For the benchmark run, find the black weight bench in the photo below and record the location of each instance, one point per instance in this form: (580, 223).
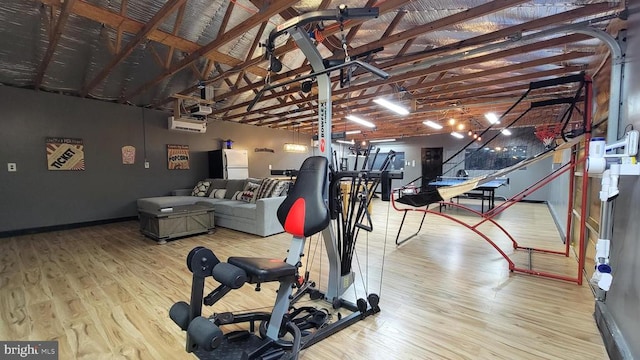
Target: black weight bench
(262, 270)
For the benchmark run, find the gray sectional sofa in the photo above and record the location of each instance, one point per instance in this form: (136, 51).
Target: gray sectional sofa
(251, 214)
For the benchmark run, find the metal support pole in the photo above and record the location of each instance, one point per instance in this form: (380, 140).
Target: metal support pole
(284, 292)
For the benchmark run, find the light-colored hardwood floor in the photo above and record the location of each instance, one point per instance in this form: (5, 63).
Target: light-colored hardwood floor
(104, 292)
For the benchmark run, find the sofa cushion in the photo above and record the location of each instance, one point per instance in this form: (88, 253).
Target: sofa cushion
(218, 183)
(247, 211)
(233, 186)
(215, 184)
(226, 206)
(200, 189)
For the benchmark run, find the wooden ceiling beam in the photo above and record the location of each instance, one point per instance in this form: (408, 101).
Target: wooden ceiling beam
(65, 11)
(497, 82)
(384, 7)
(394, 23)
(274, 8)
(176, 27)
(227, 16)
(449, 66)
(167, 9)
(536, 24)
(564, 17)
(114, 20)
(460, 17)
(123, 12)
(156, 55)
(226, 80)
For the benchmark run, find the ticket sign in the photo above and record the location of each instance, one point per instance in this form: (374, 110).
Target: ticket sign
(65, 154)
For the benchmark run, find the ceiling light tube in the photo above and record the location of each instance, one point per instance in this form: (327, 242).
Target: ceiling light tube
(457, 135)
(352, 132)
(492, 117)
(297, 148)
(348, 142)
(506, 132)
(360, 121)
(391, 106)
(433, 125)
(381, 140)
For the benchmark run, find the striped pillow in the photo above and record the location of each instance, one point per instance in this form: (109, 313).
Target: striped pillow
(270, 188)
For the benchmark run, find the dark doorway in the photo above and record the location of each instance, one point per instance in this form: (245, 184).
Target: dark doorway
(431, 165)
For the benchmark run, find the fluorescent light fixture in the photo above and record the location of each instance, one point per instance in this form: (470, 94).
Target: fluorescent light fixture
(506, 132)
(346, 142)
(391, 106)
(381, 140)
(492, 117)
(298, 148)
(433, 125)
(457, 135)
(352, 132)
(360, 121)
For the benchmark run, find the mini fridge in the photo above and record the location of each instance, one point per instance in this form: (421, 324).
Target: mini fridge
(228, 164)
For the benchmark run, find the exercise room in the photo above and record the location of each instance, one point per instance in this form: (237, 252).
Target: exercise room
(248, 179)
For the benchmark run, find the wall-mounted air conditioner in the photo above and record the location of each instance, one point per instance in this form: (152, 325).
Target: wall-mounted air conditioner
(188, 124)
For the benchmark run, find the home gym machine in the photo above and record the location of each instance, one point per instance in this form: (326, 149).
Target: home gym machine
(310, 206)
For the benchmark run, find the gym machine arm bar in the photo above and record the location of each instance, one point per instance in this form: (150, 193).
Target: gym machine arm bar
(340, 14)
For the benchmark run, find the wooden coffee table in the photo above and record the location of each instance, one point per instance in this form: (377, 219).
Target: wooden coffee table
(177, 221)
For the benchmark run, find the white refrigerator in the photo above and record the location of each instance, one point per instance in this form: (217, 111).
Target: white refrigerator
(229, 164)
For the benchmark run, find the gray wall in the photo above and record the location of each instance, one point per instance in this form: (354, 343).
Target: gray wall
(623, 300)
(34, 197)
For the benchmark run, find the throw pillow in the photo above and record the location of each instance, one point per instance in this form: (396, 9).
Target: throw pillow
(250, 191)
(200, 189)
(237, 195)
(212, 192)
(280, 189)
(220, 193)
(270, 188)
(247, 196)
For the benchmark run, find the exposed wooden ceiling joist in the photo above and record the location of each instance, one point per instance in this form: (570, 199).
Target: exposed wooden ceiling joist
(115, 20)
(482, 39)
(176, 28)
(445, 66)
(53, 41)
(166, 10)
(274, 8)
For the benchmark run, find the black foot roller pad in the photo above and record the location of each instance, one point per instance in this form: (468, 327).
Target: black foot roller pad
(261, 270)
(205, 333)
(179, 313)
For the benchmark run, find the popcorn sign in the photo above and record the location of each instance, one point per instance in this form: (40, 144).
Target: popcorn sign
(178, 157)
